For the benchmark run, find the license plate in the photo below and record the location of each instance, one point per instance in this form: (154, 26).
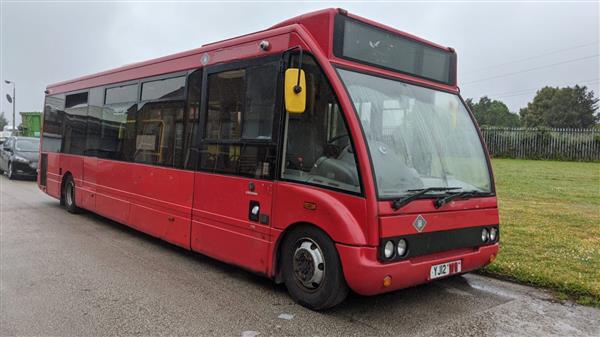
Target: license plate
(444, 269)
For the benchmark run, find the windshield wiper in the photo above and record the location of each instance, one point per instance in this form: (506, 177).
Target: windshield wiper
(396, 204)
(441, 201)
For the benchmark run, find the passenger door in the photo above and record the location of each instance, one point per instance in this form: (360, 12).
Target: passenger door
(233, 187)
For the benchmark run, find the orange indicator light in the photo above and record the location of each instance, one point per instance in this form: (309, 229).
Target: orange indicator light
(387, 281)
(311, 206)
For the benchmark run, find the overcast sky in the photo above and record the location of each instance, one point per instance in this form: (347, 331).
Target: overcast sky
(505, 50)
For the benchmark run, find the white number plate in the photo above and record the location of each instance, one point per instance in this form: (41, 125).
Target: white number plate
(444, 269)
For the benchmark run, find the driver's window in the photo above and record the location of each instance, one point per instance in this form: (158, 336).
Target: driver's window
(318, 149)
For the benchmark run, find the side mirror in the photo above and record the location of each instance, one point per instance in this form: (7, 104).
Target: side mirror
(295, 90)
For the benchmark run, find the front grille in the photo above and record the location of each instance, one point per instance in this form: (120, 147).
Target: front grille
(435, 242)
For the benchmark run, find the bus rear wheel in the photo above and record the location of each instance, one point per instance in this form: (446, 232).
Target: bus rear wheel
(69, 195)
(311, 269)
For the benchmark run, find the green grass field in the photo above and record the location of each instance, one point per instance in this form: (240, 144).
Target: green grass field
(550, 226)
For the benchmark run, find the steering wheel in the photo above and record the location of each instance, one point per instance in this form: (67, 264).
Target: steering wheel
(336, 138)
(333, 150)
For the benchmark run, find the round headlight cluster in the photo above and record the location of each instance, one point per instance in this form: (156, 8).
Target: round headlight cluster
(485, 235)
(493, 234)
(388, 249)
(395, 248)
(489, 234)
(401, 247)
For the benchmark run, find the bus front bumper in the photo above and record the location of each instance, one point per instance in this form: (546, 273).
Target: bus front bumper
(365, 274)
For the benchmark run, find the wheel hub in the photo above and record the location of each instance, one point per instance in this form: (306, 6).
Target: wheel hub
(309, 264)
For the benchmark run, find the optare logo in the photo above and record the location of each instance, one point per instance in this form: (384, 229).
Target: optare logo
(419, 223)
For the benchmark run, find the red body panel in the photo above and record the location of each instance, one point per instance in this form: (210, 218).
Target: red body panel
(220, 226)
(332, 210)
(365, 274)
(208, 213)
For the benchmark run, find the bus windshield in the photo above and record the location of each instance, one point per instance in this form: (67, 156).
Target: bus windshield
(417, 137)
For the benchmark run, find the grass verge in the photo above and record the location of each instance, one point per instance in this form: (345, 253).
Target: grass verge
(550, 226)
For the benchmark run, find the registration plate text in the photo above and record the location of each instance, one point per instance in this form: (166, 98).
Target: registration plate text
(444, 269)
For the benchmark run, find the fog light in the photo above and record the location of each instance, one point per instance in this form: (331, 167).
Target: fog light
(388, 249)
(485, 235)
(493, 234)
(401, 247)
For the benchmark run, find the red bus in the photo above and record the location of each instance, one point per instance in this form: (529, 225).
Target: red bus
(328, 152)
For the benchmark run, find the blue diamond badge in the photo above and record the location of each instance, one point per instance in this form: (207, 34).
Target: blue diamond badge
(420, 223)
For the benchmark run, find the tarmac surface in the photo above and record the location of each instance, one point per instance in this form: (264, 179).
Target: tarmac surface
(83, 275)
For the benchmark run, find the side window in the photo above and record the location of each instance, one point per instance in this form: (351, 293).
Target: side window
(225, 105)
(239, 121)
(117, 141)
(75, 123)
(190, 152)
(52, 123)
(318, 148)
(94, 122)
(261, 83)
(159, 122)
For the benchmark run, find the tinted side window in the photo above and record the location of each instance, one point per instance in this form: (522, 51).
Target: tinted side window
(52, 123)
(170, 88)
(255, 161)
(94, 122)
(191, 154)
(122, 94)
(76, 100)
(113, 134)
(225, 104)
(260, 101)
(240, 112)
(75, 123)
(157, 125)
(318, 148)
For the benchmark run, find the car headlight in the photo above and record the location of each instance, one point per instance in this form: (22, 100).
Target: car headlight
(485, 235)
(388, 249)
(401, 247)
(21, 159)
(493, 234)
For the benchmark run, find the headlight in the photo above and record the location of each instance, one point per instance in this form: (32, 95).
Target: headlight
(485, 235)
(388, 249)
(21, 159)
(493, 234)
(401, 247)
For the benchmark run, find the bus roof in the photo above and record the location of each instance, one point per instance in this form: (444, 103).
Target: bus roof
(318, 23)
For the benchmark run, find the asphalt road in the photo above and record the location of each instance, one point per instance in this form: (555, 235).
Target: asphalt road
(64, 274)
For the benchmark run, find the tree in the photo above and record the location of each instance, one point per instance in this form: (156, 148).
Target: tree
(569, 107)
(490, 112)
(3, 121)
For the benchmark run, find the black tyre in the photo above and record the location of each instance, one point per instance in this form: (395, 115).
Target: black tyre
(311, 269)
(10, 173)
(69, 196)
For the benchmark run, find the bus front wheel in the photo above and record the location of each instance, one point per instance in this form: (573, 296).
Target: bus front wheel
(311, 269)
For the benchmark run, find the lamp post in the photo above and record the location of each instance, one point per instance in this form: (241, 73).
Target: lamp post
(14, 102)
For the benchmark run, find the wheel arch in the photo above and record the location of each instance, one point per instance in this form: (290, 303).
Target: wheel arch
(276, 265)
